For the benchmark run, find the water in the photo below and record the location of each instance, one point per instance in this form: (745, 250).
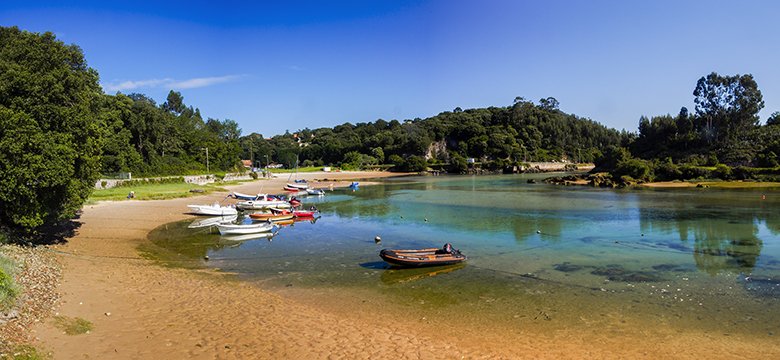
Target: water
(540, 256)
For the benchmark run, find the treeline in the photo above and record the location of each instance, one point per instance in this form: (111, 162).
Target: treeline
(145, 139)
(496, 137)
(723, 139)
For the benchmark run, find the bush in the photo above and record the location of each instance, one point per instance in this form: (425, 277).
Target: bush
(635, 168)
(694, 172)
(723, 172)
(253, 175)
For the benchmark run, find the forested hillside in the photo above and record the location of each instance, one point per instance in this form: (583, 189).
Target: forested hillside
(496, 136)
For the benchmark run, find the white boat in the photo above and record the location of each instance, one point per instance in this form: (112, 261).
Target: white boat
(230, 239)
(318, 192)
(240, 196)
(212, 210)
(238, 229)
(298, 185)
(212, 221)
(262, 201)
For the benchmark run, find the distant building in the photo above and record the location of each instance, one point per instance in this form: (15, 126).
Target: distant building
(470, 160)
(247, 163)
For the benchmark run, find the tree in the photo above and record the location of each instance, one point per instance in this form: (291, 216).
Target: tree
(728, 107)
(549, 103)
(49, 133)
(773, 119)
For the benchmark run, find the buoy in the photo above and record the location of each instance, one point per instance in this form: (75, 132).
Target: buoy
(538, 231)
(377, 239)
(426, 219)
(206, 258)
(763, 197)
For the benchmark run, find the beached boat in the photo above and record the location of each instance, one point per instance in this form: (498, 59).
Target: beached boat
(289, 188)
(317, 192)
(240, 196)
(212, 221)
(238, 229)
(212, 210)
(423, 257)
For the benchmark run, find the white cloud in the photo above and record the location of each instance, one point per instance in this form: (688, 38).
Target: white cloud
(169, 83)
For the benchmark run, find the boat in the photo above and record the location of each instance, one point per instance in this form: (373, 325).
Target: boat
(354, 185)
(212, 210)
(317, 192)
(305, 213)
(212, 221)
(296, 184)
(240, 196)
(289, 188)
(263, 201)
(275, 217)
(423, 257)
(233, 239)
(238, 229)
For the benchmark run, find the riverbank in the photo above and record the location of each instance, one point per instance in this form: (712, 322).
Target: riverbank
(140, 309)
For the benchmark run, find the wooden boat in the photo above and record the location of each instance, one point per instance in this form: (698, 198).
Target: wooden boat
(212, 210)
(238, 229)
(286, 215)
(423, 257)
(289, 188)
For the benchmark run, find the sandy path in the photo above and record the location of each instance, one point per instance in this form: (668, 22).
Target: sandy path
(144, 311)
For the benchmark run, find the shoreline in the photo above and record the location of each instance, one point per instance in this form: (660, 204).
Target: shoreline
(141, 309)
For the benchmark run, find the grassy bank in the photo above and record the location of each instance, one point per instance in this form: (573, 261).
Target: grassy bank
(715, 184)
(153, 191)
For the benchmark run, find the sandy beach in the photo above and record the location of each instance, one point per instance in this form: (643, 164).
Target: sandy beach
(142, 310)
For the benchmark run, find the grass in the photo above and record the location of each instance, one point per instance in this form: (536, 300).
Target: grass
(72, 326)
(25, 352)
(153, 192)
(300, 169)
(8, 287)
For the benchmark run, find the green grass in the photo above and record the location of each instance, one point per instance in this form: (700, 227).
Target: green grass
(153, 192)
(8, 287)
(24, 352)
(72, 326)
(303, 169)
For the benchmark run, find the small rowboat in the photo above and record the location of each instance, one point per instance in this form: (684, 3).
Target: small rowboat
(292, 189)
(423, 257)
(237, 229)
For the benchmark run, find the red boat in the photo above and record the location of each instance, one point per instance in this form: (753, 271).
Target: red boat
(294, 202)
(304, 213)
(292, 189)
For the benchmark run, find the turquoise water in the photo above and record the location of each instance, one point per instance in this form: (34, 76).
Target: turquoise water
(549, 255)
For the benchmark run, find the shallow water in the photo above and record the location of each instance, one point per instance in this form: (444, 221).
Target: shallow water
(539, 255)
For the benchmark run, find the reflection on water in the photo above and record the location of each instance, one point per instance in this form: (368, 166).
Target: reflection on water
(539, 255)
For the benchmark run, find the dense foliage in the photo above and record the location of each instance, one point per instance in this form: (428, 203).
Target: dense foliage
(49, 137)
(497, 136)
(723, 139)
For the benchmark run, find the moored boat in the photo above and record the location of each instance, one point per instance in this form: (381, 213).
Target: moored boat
(240, 196)
(272, 216)
(263, 201)
(238, 229)
(305, 213)
(423, 257)
(212, 210)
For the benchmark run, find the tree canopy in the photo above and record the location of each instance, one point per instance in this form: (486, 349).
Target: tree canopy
(50, 141)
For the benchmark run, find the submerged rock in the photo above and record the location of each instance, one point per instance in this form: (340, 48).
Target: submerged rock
(762, 286)
(618, 273)
(567, 267)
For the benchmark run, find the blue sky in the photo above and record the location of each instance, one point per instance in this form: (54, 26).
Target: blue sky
(287, 65)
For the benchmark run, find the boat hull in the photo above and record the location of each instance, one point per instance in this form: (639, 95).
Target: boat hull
(212, 210)
(232, 229)
(420, 258)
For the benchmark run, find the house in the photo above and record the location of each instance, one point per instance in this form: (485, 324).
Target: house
(247, 163)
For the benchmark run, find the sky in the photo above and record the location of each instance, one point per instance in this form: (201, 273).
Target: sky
(276, 66)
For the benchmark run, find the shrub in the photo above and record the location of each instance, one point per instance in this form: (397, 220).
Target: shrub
(722, 171)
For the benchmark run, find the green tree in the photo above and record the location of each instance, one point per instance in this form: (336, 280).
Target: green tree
(49, 130)
(727, 106)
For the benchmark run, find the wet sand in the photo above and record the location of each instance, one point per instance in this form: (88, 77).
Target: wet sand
(141, 310)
